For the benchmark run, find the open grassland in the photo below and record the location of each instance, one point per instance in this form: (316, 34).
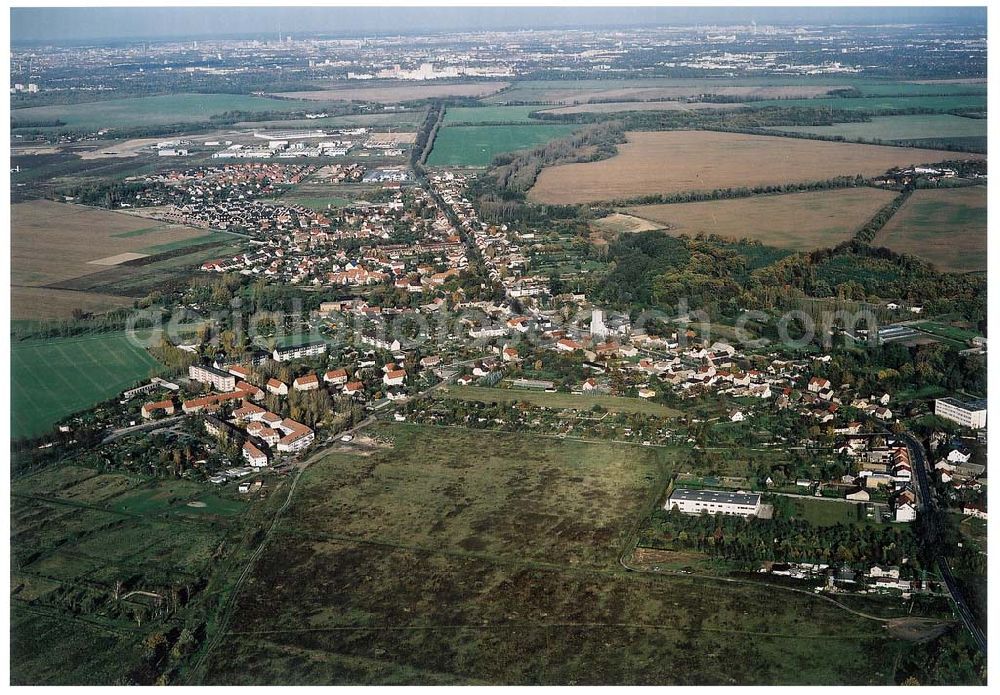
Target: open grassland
(54, 378)
(620, 106)
(936, 103)
(583, 91)
(795, 221)
(470, 115)
(943, 127)
(675, 161)
(67, 248)
(152, 111)
(946, 227)
(75, 533)
(567, 401)
(398, 92)
(475, 146)
(473, 557)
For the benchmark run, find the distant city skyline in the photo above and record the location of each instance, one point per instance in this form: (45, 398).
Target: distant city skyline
(77, 24)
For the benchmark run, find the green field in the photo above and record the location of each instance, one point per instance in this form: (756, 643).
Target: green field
(569, 401)
(937, 103)
(489, 114)
(153, 111)
(475, 146)
(471, 557)
(900, 128)
(51, 379)
(821, 512)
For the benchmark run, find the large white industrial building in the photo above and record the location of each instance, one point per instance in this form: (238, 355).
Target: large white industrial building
(971, 414)
(714, 502)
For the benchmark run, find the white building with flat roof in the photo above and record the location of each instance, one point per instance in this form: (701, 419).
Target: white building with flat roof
(714, 502)
(971, 414)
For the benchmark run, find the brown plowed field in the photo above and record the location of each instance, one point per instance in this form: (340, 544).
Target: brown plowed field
(795, 221)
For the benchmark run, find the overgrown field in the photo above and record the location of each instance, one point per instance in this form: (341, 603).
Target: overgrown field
(567, 401)
(54, 378)
(946, 227)
(152, 111)
(796, 221)
(475, 146)
(76, 534)
(681, 160)
(461, 557)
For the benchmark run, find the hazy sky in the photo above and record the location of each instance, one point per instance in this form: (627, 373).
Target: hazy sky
(85, 24)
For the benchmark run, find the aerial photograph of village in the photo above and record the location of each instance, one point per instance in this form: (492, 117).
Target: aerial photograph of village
(362, 345)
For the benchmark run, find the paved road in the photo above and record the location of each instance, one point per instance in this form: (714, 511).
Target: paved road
(154, 424)
(926, 499)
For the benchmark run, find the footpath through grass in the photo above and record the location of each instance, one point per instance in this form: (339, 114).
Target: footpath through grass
(571, 401)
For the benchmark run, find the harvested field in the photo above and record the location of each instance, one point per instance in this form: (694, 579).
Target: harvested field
(617, 106)
(54, 245)
(946, 227)
(391, 138)
(49, 303)
(683, 160)
(795, 221)
(617, 223)
(394, 93)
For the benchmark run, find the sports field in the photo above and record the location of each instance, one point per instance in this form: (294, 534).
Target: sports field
(568, 401)
(795, 221)
(54, 378)
(682, 160)
(151, 111)
(475, 146)
(946, 227)
(454, 556)
(900, 128)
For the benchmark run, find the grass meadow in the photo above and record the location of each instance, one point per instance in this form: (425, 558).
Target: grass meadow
(476, 146)
(51, 379)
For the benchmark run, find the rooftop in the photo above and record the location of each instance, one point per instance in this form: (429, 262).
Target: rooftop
(716, 496)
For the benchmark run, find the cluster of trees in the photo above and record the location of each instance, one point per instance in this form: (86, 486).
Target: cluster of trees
(748, 543)
(740, 192)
